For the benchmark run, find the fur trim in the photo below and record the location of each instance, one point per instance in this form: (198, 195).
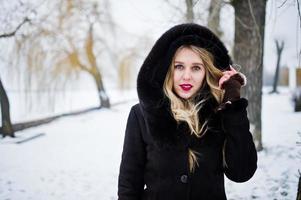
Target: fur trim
(237, 77)
(155, 106)
(244, 83)
(153, 71)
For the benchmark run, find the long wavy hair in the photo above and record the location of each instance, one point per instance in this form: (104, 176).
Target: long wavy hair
(187, 110)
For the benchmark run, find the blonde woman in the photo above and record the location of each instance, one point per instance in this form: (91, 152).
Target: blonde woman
(190, 126)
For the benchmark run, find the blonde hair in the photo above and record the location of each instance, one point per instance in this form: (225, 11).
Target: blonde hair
(187, 110)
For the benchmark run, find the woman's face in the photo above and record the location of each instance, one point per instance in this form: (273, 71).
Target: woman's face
(188, 74)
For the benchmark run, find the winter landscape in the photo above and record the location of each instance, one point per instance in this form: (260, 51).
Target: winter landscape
(79, 157)
(54, 51)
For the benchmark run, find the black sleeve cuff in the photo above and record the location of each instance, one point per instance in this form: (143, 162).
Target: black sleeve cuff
(236, 105)
(234, 112)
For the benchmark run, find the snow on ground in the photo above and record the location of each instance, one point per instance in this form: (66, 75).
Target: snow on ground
(278, 164)
(79, 157)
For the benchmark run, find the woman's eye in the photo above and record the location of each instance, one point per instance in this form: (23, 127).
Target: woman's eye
(196, 68)
(179, 66)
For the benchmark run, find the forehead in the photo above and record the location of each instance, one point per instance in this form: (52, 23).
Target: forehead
(187, 54)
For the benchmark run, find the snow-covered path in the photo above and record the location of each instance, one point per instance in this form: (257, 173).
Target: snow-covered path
(78, 158)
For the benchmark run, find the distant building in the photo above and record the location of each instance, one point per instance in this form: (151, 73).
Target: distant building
(295, 77)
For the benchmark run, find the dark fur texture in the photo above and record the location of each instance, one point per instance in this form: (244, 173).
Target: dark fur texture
(154, 69)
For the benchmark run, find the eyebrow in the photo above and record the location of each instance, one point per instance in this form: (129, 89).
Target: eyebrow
(192, 63)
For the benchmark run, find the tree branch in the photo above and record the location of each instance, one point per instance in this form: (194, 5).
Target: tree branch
(299, 13)
(175, 7)
(283, 3)
(5, 35)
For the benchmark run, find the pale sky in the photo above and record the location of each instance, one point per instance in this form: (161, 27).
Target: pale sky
(155, 17)
(282, 23)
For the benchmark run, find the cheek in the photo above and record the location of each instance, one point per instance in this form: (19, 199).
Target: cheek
(176, 77)
(199, 79)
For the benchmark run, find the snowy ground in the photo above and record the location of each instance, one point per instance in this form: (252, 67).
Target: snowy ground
(278, 163)
(79, 156)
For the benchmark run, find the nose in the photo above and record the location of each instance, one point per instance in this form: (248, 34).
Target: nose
(186, 74)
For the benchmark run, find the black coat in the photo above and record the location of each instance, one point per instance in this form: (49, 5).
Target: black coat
(154, 162)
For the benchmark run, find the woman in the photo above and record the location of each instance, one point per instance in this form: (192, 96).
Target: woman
(190, 126)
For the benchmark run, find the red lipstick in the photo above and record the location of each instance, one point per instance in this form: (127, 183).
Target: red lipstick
(186, 87)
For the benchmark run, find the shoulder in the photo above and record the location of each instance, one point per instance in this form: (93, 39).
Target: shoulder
(136, 111)
(136, 119)
(136, 108)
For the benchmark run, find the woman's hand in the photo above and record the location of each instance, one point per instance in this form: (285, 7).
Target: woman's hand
(226, 76)
(231, 82)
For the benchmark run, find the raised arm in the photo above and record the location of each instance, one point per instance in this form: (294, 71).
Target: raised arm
(240, 154)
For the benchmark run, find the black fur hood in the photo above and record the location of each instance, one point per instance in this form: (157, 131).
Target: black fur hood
(155, 106)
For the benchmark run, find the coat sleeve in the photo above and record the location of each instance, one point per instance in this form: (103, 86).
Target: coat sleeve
(131, 172)
(240, 156)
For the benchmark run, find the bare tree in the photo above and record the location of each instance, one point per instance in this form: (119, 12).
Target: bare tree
(214, 17)
(61, 44)
(279, 53)
(299, 187)
(7, 129)
(248, 52)
(299, 14)
(73, 59)
(298, 10)
(186, 10)
(124, 68)
(189, 11)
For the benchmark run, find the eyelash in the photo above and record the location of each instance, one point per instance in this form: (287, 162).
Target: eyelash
(196, 68)
(178, 66)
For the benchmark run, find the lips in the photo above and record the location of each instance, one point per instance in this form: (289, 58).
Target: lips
(186, 87)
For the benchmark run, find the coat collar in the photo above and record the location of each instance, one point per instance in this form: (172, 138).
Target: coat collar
(164, 129)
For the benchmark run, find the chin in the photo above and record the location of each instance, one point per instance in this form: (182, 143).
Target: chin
(182, 95)
(186, 96)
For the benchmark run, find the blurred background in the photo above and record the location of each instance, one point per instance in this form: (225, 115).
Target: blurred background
(68, 72)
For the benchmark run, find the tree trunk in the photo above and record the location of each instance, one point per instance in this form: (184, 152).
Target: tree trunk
(248, 52)
(299, 188)
(94, 71)
(214, 17)
(189, 11)
(103, 97)
(6, 129)
(279, 53)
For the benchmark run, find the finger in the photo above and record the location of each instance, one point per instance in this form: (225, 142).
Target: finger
(222, 80)
(232, 69)
(230, 72)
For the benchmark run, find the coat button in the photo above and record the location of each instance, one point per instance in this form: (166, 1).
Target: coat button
(184, 178)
